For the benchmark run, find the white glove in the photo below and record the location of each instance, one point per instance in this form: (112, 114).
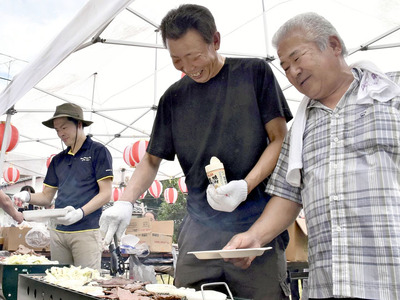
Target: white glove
(115, 219)
(73, 216)
(227, 197)
(21, 197)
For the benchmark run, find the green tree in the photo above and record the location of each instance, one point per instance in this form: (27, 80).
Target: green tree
(166, 211)
(175, 211)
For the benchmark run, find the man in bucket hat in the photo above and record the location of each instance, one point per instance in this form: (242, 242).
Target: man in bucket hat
(82, 176)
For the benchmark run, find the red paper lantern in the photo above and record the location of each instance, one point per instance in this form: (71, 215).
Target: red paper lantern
(139, 150)
(182, 185)
(156, 189)
(11, 175)
(143, 195)
(170, 195)
(128, 157)
(48, 161)
(13, 136)
(117, 192)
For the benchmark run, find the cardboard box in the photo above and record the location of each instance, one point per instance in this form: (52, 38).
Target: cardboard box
(156, 234)
(15, 236)
(139, 225)
(157, 242)
(164, 227)
(297, 250)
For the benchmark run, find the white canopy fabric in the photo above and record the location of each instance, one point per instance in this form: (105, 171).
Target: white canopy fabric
(110, 60)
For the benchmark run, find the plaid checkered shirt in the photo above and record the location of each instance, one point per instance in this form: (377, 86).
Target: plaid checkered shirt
(350, 193)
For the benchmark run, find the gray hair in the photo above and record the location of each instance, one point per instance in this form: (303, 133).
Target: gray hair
(316, 28)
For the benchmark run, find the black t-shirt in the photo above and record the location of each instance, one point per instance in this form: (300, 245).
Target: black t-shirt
(224, 117)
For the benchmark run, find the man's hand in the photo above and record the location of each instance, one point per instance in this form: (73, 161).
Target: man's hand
(18, 217)
(73, 216)
(227, 197)
(241, 241)
(21, 198)
(115, 219)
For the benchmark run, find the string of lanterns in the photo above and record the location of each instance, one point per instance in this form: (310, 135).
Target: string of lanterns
(11, 174)
(132, 155)
(135, 152)
(155, 190)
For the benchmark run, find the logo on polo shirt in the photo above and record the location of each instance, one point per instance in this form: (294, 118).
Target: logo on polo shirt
(86, 158)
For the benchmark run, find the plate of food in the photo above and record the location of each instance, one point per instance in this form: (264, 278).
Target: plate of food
(44, 214)
(231, 253)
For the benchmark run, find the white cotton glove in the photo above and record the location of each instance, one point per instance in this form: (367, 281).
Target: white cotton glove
(115, 219)
(73, 216)
(21, 197)
(227, 197)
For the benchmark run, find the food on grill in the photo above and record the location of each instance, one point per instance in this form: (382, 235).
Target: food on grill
(120, 282)
(72, 277)
(24, 250)
(89, 281)
(26, 256)
(27, 259)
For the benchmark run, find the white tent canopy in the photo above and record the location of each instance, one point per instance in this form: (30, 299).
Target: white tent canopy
(110, 60)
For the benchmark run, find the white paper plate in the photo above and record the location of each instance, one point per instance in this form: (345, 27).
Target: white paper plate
(208, 295)
(160, 288)
(169, 289)
(44, 214)
(235, 253)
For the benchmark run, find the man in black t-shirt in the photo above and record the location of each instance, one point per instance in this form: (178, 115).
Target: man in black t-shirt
(231, 108)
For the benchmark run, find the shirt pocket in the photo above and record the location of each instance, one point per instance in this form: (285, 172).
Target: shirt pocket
(84, 170)
(374, 128)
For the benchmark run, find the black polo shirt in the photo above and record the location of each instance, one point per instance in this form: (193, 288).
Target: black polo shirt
(76, 178)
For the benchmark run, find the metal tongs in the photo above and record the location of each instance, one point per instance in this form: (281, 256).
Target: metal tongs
(117, 264)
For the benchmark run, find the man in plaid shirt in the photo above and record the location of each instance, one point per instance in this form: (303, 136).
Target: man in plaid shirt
(340, 162)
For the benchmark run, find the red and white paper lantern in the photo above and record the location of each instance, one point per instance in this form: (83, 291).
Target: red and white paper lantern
(13, 136)
(128, 157)
(11, 175)
(48, 161)
(139, 150)
(116, 194)
(182, 185)
(170, 195)
(156, 189)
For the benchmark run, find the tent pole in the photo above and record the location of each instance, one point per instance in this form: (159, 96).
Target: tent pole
(122, 180)
(142, 17)
(266, 31)
(34, 182)
(93, 91)
(155, 72)
(366, 46)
